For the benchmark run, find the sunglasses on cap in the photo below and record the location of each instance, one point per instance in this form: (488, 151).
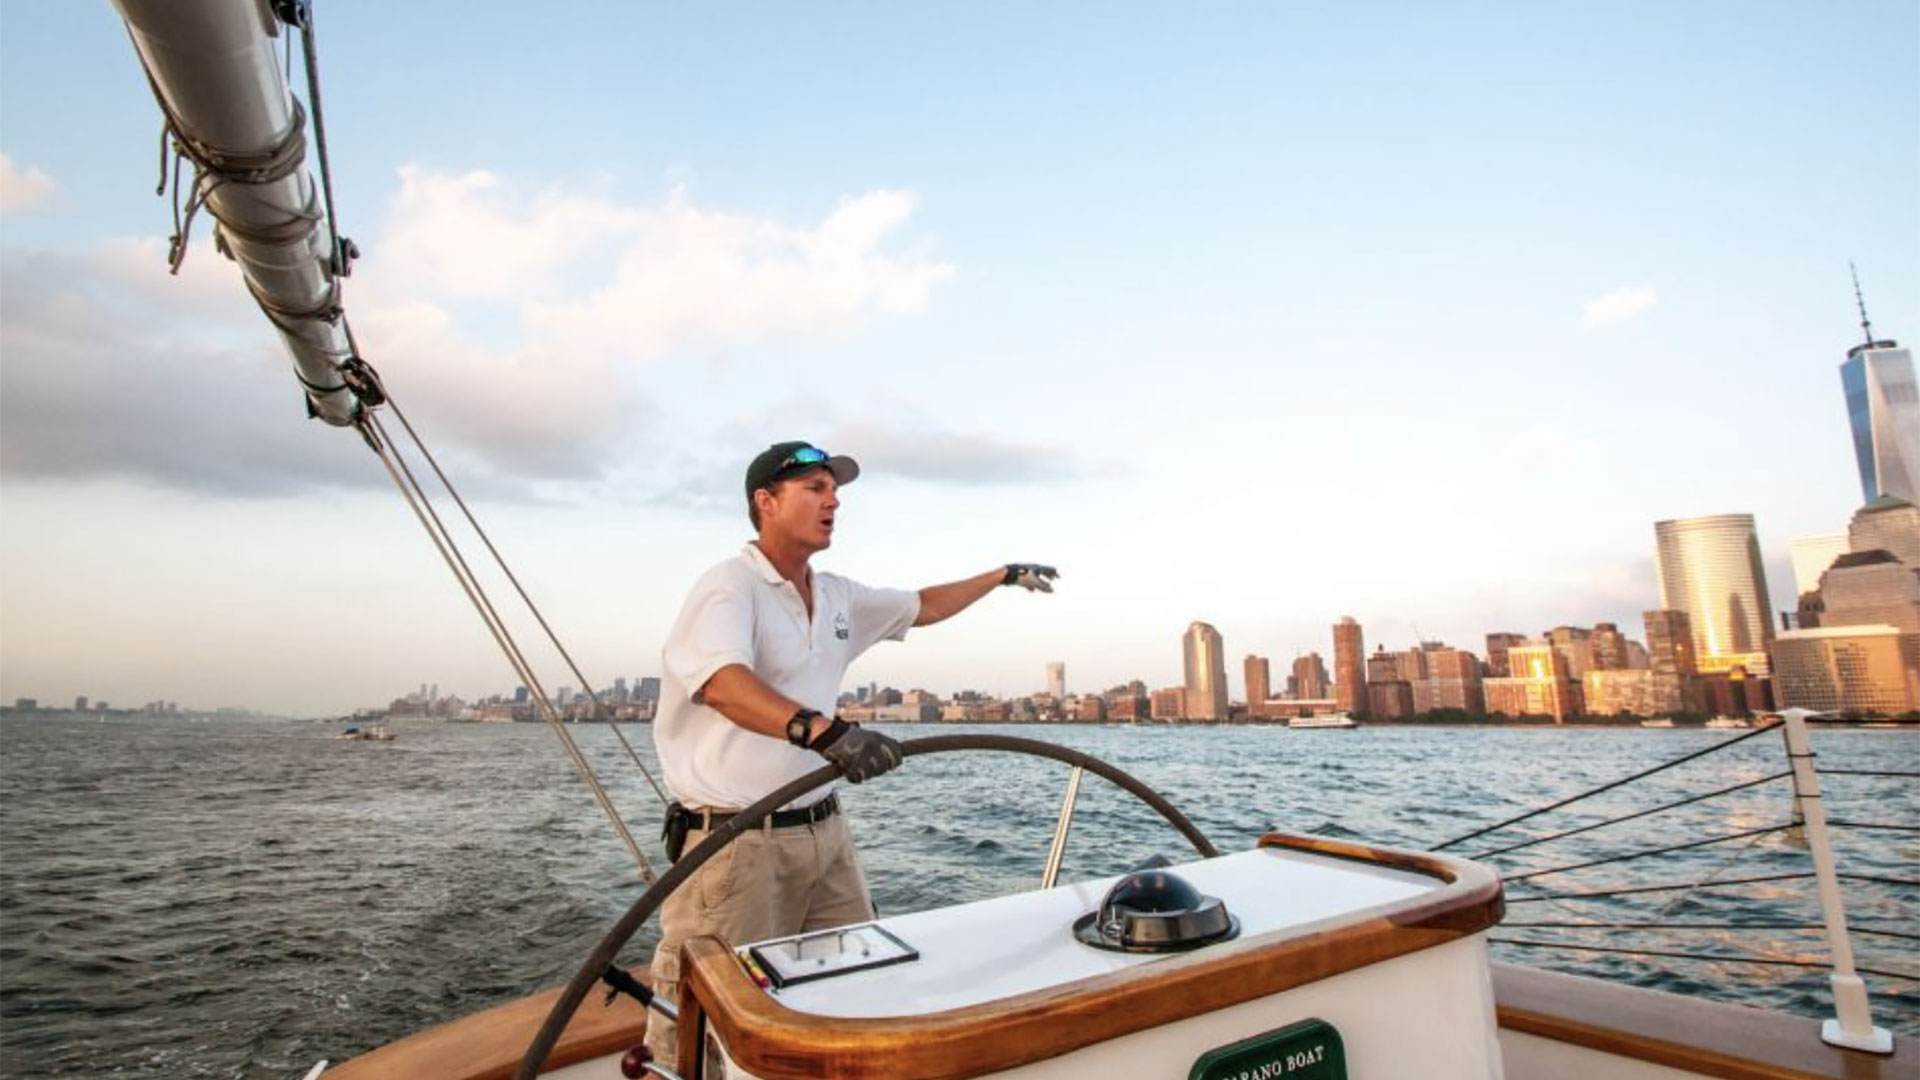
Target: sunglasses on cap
(802, 458)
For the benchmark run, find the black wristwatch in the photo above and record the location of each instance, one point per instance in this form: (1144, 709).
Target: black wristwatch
(800, 727)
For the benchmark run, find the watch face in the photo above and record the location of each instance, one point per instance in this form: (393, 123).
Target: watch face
(797, 730)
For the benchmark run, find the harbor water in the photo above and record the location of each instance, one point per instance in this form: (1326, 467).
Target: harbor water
(241, 898)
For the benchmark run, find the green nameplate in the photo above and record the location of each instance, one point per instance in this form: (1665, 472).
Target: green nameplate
(1308, 1050)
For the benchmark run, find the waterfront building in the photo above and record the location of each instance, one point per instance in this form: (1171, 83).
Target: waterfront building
(1883, 410)
(1811, 557)
(1310, 677)
(1452, 680)
(1670, 658)
(1890, 525)
(1638, 659)
(1538, 685)
(1168, 704)
(1609, 648)
(1091, 709)
(1206, 669)
(1575, 646)
(1390, 700)
(1349, 666)
(1865, 588)
(1613, 692)
(1057, 680)
(1383, 666)
(1709, 567)
(1497, 646)
(1259, 676)
(1846, 669)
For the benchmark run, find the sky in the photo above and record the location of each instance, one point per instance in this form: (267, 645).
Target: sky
(1257, 314)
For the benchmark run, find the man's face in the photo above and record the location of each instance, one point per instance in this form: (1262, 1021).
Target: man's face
(800, 510)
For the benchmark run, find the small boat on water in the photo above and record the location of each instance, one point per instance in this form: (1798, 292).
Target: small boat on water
(369, 733)
(1662, 722)
(1328, 720)
(1729, 723)
(1303, 957)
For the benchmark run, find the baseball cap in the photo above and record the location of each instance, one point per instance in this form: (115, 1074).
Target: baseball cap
(785, 459)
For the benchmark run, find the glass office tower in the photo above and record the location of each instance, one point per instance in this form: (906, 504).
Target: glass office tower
(1883, 408)
(1710, 568)
(1206, 664)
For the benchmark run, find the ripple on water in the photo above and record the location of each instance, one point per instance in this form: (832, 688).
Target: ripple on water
(253, 897)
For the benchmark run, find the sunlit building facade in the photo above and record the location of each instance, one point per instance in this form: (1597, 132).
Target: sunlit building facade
(1887, 524)
(1710, 568)
(1310, 677)
(1259, 679)
(1206, 667)
(1349, 666)
(1883, 409)
(1057, 680)
(1537, 686)
(1845, 669)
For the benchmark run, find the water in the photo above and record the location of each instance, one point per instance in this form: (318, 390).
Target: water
(240, 899)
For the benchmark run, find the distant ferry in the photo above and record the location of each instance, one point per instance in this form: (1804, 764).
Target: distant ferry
(1729, 722)
(1331, 720)
(1662, 722)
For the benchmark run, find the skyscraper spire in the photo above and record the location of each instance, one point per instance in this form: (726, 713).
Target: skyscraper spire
(1862, 301)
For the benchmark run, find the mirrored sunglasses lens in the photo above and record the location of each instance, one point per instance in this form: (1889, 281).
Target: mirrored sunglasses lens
(807, 456)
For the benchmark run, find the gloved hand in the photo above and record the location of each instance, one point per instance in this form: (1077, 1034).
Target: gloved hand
(1031, 576)
(859, 754)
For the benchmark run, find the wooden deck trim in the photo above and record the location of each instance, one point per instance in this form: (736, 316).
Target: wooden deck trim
(777, 1043)
(488, 1045)
(1732, 1042)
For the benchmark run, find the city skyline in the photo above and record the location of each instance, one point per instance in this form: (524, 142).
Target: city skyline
(1427, 345)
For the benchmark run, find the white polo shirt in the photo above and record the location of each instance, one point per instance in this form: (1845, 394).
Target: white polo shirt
(743, 612)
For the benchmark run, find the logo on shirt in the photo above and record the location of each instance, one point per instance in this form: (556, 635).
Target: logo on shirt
(840, 626)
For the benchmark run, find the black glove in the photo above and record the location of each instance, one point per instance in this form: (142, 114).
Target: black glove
(1030, 576)
(859, 754)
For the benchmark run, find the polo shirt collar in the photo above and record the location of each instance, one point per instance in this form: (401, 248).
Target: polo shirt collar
(761, 563)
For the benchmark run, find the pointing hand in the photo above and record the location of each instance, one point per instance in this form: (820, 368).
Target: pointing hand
(1030, 576)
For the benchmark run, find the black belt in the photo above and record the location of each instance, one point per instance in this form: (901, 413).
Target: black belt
(709, 820)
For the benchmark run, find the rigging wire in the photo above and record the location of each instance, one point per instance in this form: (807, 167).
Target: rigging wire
(449, 552)
(501, 562)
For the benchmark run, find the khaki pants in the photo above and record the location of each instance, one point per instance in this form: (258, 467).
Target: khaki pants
(768, 883)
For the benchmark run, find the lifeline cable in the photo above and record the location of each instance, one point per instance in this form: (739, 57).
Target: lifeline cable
(1603, 787)
(1771, 962)
(1801, 875)
(1630, 817)
(1654, 851)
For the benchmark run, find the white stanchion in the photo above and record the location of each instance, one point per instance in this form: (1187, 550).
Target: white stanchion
(1853, 1025)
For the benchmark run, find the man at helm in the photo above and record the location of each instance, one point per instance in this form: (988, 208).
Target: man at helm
(752, 671)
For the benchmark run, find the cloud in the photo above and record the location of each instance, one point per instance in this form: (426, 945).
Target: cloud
(22, 190)
(914, 448)
(508, 325)
(1619, 305)
(907, 445)
(100, 383)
